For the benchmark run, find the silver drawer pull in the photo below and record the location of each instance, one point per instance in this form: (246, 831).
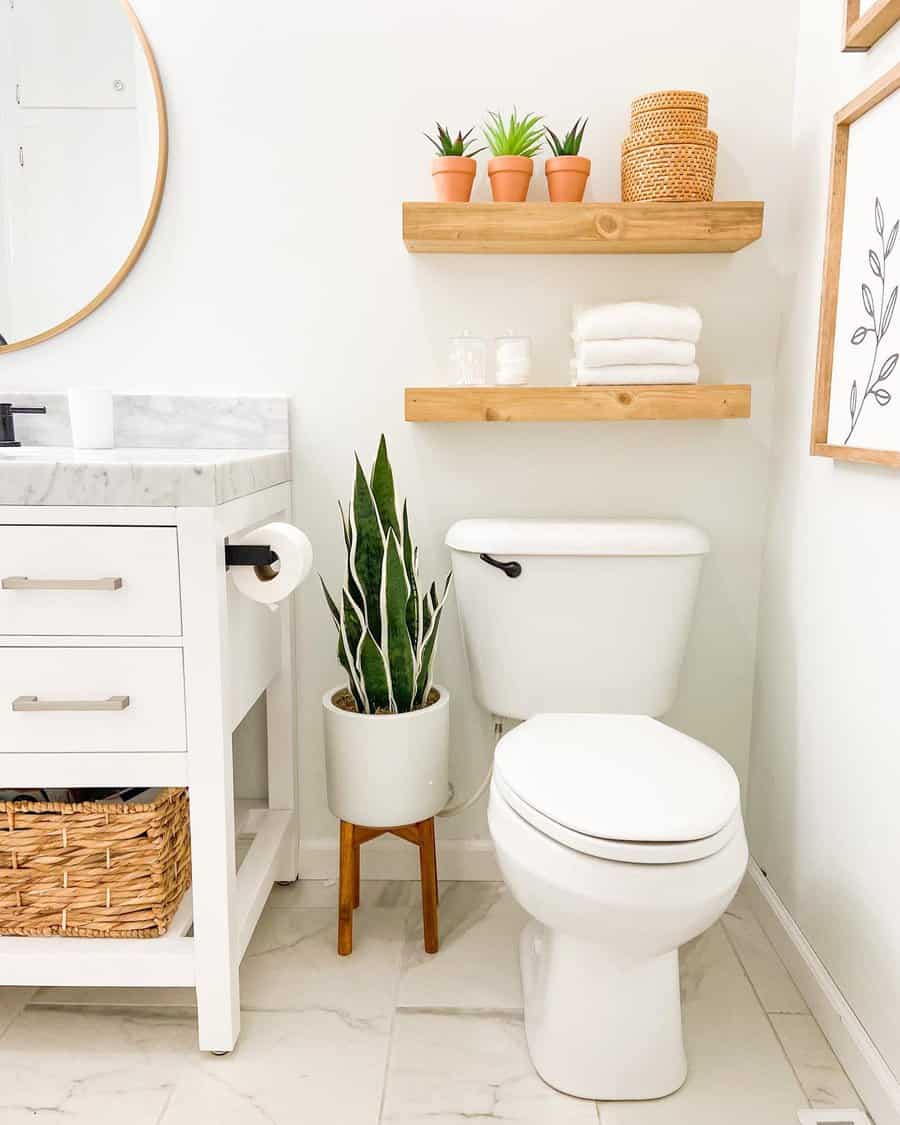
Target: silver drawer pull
(32, 703)
(17, 582)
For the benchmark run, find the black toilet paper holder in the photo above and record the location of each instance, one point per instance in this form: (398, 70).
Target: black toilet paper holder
(249, 554)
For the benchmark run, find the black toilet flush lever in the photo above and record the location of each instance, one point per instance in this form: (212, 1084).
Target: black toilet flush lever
(510, 569)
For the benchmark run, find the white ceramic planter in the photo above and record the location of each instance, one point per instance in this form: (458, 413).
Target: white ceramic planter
(386, 770)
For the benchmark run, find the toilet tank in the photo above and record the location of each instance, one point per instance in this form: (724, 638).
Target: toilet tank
(597, 619)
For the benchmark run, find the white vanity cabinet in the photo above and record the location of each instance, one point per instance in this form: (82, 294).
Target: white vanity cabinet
(126, 658)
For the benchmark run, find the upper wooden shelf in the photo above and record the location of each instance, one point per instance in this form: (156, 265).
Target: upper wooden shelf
(580, 228)
(673, 402)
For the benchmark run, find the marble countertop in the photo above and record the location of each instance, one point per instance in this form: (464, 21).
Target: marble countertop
(47, 475)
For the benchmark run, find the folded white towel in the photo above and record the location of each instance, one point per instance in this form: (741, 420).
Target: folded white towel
(636, 373)
(611, 353)
(638, 320)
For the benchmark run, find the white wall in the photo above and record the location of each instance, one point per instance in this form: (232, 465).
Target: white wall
(277, 264)
(825, 764)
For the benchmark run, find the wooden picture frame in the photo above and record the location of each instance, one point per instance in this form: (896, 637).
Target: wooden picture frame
(861, 31)
(877, 93)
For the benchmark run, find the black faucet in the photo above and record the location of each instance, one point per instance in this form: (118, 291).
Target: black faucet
(8, 422)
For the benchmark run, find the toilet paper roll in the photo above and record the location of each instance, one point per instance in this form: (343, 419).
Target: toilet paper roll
(269, 585)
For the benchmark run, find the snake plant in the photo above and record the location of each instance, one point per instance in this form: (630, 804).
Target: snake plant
(387, 623)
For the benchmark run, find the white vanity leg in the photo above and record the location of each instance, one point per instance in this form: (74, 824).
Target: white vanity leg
(282, 747)
(210, 776)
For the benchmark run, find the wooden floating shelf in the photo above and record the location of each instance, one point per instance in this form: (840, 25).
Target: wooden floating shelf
(673, 402)
(580, 228)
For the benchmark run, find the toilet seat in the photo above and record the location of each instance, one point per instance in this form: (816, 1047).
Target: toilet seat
(620, 787)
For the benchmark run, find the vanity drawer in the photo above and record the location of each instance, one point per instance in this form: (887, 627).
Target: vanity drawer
(63, 700)
(89, 581)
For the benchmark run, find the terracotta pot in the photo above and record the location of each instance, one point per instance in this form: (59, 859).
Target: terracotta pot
(453, 177)
(510, 177)
(567, 178)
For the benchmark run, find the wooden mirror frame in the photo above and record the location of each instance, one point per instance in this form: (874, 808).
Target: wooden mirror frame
(860, 32)
(152, 212)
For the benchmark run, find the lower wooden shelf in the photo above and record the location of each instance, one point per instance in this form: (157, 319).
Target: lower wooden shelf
(672, 402)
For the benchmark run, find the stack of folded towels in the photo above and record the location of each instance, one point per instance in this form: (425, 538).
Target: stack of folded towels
(636, 342)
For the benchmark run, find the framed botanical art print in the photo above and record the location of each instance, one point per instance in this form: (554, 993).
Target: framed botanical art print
(867, 20)
(856, 409)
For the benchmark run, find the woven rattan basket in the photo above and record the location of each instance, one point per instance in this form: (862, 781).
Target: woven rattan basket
(674, 117)
(669, 100)
(673, 165)
(94, 869)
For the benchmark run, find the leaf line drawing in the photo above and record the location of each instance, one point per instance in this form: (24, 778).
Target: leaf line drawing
(881, 322)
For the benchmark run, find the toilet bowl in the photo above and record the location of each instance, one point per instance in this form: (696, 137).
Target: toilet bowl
(599, 959)
(621, 837)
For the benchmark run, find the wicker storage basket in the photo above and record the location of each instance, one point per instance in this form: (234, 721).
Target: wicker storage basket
(676, 117)
(93, 869)
(669, 100)
(673, 165)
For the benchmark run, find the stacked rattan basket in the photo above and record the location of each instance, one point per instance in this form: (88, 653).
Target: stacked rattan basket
(94, 869)
(670, 154)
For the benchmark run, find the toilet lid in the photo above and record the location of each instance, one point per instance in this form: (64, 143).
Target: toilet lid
(623, 778)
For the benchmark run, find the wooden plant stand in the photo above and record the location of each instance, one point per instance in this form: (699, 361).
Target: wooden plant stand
(353, 836)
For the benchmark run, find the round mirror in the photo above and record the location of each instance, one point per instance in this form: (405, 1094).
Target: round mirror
(83, 148)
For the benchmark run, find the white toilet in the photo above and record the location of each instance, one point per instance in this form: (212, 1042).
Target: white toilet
(621, 837)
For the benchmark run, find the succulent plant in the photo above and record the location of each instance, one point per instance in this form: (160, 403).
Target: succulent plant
(387, 629)
(570, 145)
(447, 145)
(514, 136)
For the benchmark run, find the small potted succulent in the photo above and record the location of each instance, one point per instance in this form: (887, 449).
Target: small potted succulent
(453, 170)
(567, 172)
(387, 730)
(513, 142)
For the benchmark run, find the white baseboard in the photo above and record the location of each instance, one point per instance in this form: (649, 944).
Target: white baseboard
(390, 858)
(869, 1073)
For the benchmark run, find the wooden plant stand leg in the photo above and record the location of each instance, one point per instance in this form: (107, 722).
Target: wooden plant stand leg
(428, 870)
(347, 882)
(353, 836)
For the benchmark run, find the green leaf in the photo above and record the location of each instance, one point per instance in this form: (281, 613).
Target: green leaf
(354, 682)
(555, 143)
(352, 587)
(335, 613)
(349, 668)
(342, 647)
(426, 612)
(344, 525)
(374, 674)
(395, 595)
(410, 561)
(424, 678)
(367, 550)
(352, 617)
(383, 490)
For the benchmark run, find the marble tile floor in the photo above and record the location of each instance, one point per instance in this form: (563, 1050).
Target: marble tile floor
(392, 1035)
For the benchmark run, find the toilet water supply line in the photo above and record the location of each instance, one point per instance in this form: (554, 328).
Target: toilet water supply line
(455, 810)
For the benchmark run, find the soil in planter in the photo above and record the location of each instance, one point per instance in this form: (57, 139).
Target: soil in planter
(344, 701)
